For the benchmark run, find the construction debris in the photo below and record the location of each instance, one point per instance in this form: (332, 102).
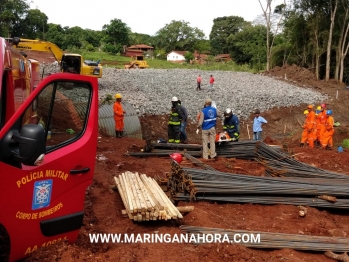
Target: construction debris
(143, 198)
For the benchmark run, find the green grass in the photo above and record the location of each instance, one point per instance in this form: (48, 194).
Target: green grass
(345, 143)
(116, 61)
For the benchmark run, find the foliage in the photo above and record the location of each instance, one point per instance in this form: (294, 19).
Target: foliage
(222, 28)
(116, 33)
(345, 143)
(248, 46)
(188, 56)
(112, 49)
(12, 14)
(33, 26)
(178, 35)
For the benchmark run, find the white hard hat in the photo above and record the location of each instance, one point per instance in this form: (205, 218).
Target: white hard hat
(228, 110)
(174, 99)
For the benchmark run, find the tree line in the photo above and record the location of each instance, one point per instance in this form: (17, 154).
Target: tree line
(309, 33)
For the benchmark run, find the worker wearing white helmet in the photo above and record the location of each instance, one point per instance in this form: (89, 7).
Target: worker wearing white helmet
(119, 114)
(174, 123)
(231, 125)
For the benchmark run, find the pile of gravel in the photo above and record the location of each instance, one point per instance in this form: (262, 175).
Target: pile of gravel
(150, 91)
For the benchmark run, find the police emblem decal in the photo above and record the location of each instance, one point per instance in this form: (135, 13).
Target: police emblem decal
(42, 194)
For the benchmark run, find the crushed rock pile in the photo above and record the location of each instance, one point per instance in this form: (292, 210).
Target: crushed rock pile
(150, 91)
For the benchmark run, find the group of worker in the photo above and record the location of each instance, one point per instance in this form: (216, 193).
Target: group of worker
(318, 127)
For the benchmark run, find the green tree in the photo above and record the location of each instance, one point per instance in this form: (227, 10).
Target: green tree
(12, 12)
(188, 56)
(178, 35)
(56, 34)
(248, 46)
(33, 26)
(136, 38)
(74, 36)
(202, 46)
(222, 28)
(116, 33)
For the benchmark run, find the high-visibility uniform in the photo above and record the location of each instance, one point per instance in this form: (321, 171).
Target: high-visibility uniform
(118, 117)
(174, 124)
(231, 125)
(309, 133)
(327, 136)
(320, 125)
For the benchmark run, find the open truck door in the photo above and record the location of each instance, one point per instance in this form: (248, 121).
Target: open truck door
(47, 158)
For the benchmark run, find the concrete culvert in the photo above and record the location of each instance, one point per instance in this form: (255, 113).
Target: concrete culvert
(106, 122)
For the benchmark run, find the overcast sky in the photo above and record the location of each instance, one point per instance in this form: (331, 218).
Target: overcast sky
(146, 17)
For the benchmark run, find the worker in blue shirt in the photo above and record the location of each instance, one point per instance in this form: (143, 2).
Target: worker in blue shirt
(258, 122)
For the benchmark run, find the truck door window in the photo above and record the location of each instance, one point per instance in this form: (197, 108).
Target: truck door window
(62, 109)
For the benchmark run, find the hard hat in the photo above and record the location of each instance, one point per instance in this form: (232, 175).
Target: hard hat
(329, 112)
(318, 108)
(177, 157)
(306, 112)
(118, 96)
(228, 110)
(310, 106)
(323, 105)
(174, 99)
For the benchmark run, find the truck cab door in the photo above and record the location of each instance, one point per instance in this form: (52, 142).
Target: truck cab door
(47, 158)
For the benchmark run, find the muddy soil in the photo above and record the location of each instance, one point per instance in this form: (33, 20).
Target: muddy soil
(103, 205)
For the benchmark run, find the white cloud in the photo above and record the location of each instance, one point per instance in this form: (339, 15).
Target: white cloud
(146, 17)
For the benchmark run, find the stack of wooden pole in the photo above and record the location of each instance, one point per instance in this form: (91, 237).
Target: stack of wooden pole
(144, 199)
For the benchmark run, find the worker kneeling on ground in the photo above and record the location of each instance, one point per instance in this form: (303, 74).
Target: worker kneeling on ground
(174, 123)
(326, 139)
(119, 114)
(231, 125)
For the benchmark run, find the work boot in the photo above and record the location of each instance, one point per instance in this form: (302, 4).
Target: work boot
(121, 134)
(301, 145)
(117, 134)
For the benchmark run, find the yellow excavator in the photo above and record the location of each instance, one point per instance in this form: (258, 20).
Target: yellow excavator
(137, 61)
(72, 63)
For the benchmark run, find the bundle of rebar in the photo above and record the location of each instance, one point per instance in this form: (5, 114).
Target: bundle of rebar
(207, 185)
(258, 239)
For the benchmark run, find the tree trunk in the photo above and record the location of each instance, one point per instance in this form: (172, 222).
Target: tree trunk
(329, 43)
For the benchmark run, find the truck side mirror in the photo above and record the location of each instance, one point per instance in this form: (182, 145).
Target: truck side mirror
(31, 142)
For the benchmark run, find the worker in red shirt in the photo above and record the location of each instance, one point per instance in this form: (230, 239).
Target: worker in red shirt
(119, 114)
(211, 81)
(198, 83)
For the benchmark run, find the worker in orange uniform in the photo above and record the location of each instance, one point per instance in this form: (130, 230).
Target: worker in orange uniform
(119, 114)
(309, 133)
(320, 123)
(305, 132)
(327, 136)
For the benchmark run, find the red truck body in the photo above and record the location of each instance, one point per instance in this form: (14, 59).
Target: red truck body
(43, 180)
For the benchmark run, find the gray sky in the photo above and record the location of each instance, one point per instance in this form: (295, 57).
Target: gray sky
(146, 17)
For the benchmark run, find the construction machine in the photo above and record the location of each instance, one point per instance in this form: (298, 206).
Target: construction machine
(71, 63)
(137, 61)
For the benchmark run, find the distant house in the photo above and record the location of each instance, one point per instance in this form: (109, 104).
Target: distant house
(223, 58)
(140, 49)
(176, 56)
(200, 58)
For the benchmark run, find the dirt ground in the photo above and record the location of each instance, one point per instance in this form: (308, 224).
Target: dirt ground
(103, 205)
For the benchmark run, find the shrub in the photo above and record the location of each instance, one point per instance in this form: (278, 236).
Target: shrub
(345, 143)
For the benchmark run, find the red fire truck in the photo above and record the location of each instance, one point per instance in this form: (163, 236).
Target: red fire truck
(44, 169)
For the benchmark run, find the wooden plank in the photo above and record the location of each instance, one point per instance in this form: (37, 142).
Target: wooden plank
(148, 199)
(159, 203)
(133, 192)
(169, 206)
(123, 197)
(168, 202)
(185, 209)
(128, 193)
(138, 192)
